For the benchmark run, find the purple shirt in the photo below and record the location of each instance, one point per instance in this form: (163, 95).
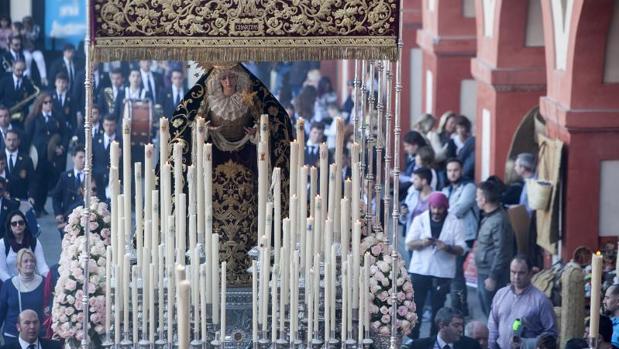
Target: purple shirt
(531, 307)
(422, 206)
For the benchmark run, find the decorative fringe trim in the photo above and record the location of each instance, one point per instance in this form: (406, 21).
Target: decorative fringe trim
(235, 50)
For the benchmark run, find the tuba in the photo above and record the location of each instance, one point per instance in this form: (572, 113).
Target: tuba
(6, 65)
(16, 111)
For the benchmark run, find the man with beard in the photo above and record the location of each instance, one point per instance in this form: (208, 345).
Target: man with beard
(436, 239)
(461, 195)
(415, 203)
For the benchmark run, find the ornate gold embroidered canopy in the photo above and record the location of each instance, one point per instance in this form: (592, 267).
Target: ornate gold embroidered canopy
(237, 30)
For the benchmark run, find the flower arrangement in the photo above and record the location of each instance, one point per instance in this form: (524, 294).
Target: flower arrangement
(67, 310)
(381, 292)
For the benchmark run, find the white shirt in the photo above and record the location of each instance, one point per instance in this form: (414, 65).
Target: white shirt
(429, 260)
(441, 343)
(147, 78)
(175, 94)
(8, 263)
(61, 97)
(108, 139)
(24, 345)
(76, 172)
(16, 79)
(70, 69)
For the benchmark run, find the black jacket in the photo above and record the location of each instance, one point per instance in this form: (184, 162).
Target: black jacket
(45, 344)
(21, 178)
(66, 109)
(39, 132)
(101, 163)
(430, 343)
(9, 96)
(67, 195)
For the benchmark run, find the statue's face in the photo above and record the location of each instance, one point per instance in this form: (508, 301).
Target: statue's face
(228, 83)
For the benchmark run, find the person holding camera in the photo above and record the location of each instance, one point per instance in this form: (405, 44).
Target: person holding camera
(436, 238)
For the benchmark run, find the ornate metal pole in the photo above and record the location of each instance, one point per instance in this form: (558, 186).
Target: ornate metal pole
(371, 141)
(88, 176)
(380, 106)
(387, 199)
(396, 182)
(356, 101)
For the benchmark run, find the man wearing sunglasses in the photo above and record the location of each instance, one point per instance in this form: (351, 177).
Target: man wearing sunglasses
(6, 205)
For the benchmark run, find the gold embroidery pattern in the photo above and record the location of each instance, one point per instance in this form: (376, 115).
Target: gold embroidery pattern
(239, 18)
(234, 200)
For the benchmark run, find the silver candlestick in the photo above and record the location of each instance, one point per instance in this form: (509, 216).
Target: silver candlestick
(144, 344)
(196, 344)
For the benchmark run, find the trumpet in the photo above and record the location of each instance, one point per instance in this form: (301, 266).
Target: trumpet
(16, 111)
(6, 65)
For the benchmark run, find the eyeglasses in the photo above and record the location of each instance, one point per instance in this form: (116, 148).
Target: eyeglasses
(47, 102)
(17, 223)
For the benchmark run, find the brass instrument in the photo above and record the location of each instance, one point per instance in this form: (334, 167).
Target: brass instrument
(16, 111)
(6, 65)
(108, 94)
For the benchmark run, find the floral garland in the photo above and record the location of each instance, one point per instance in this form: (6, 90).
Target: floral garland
(380, 284)
(67, 310)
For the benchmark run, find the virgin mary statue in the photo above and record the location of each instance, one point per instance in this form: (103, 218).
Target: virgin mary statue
(231, 100)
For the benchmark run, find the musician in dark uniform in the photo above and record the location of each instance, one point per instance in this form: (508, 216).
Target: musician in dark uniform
(151, 81)
(66, 64)
(19, 168)
(100, 81)
(45, 130)
(114, 102)
(63, 102)
(101, 154)
(14, 53)
(68, 193)
(96, 122)
(15, 88)
(173, 95)
(6, 205)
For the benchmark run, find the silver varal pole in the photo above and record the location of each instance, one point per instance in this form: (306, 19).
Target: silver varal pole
(380, 106)
(396, 181)
(87, 175)
(387, 146)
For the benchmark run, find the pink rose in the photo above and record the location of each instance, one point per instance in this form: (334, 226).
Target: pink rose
(69, 311)
(375, 325)
(383, 296)
(384, 310)
(376, 249)
(402, 311)
(70, 285)
(384, 331)
(373, 309)
(408, 286)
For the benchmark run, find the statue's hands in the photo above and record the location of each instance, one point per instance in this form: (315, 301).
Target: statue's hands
(250, 131)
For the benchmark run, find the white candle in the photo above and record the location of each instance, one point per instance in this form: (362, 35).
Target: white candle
(318, 239)
(265, 264)
(208, 206)
(294, 295)
(333, 287)
(268, 224)
(302, 203)
(195, 291)
(294, 168)
(344, 298)
(596, 282)
(215, 278)
(160, 290)
(181, 216)
(125, 287)
(148, 190)
(327, 314)
(277, 214)
(356, 256)
(200, 182)
(114, 211)
(126, 131)
(151, 304)
(145, 271)
(154, 238)
(134, 303)
(366, 291)
(310, 306)
(347, 189)
(108, 289)
(328, 239)
(324, 181)
(166, 202)
(286, 264)
(262, 186)
(309, 252)
(203, 301)
(283, 296)
(183, 314)
(171, 298)
(300, 132)
(345, 230)
(223, 302)
(349, 286)
(274, 299)
(315, 280)
(117, 301)
(164, 137)
(114, 154)
(339, 150)
(313, 189)
(254, 302)
(356, 192)
(139, 210)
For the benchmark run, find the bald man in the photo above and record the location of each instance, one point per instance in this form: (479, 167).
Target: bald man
(478, 331)
(28, 326)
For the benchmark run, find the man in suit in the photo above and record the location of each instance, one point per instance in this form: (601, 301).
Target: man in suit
(20, 171)
(312, 147)
(172, 96)
(14, 88)
(95, 120)
(7, 205)
(29, 326)
(151, 81)
(68, 193)
(451, 325)
(62, 101)
(100, 81)
(41, 131)
(101, 154)
(66, 64)
(114, 103)
(15, 52)
(5, 123)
